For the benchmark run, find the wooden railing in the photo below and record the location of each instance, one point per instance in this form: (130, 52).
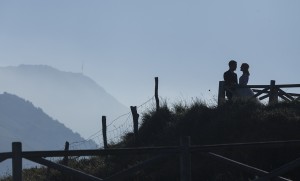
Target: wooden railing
(272, 91)
(184, 150)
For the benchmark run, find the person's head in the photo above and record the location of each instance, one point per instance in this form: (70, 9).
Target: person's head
(245, 68)
(232, 65)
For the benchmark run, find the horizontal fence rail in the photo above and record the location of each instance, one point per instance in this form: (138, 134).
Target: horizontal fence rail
(245, 145)
(272, 91)
(102, 152)
(268, 86)
(184, 150)
(148, 150)
(5, 156)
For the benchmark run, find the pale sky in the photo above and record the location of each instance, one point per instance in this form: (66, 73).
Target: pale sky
(124, 44)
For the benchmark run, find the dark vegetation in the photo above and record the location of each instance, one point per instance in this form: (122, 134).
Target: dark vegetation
(229, 123)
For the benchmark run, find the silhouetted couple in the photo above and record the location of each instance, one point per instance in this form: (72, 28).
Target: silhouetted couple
(231, 81)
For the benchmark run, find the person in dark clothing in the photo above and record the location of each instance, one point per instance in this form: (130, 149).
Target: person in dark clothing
(230, 79)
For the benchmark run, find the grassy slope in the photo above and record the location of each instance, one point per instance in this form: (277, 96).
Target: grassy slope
(230, 123)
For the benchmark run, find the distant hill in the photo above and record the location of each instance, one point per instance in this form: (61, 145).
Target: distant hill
(20, 121)
(72, 98)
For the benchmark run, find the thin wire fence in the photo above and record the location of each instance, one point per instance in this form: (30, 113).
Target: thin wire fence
(116, 129)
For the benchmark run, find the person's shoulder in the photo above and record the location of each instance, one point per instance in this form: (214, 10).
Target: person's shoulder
(227, 72)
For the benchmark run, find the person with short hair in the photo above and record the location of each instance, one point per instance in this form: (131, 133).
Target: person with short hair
(230, 79)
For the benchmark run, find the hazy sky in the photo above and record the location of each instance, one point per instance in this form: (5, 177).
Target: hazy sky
(124, 44)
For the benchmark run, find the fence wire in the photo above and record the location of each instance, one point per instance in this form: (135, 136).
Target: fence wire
(116, 129)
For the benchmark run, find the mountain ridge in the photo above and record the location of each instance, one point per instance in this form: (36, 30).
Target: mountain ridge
(72, 98)
(22, 122)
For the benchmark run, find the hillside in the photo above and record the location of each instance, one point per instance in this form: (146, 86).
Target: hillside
(229, 123)
(72, 98)
(20, 121)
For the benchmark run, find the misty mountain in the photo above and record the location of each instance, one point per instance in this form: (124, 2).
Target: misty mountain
(21, 122)
(72, 98)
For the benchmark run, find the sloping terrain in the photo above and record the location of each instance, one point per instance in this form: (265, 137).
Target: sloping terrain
(72, 98)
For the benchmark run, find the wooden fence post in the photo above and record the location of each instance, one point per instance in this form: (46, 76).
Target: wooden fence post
(185, 159)
(66, 160)
(17, 161)
(156, 94)
(135, 117)
(273, 93)
(104, 132)
(221, 94)
(66, 157)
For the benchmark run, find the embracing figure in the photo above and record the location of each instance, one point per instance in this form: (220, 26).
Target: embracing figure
(243, 80)
(231, 82)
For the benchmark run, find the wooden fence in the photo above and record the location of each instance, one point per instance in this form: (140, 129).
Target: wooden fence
(17, 154)
(185, 149)
(135, 117)
(272, 91)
